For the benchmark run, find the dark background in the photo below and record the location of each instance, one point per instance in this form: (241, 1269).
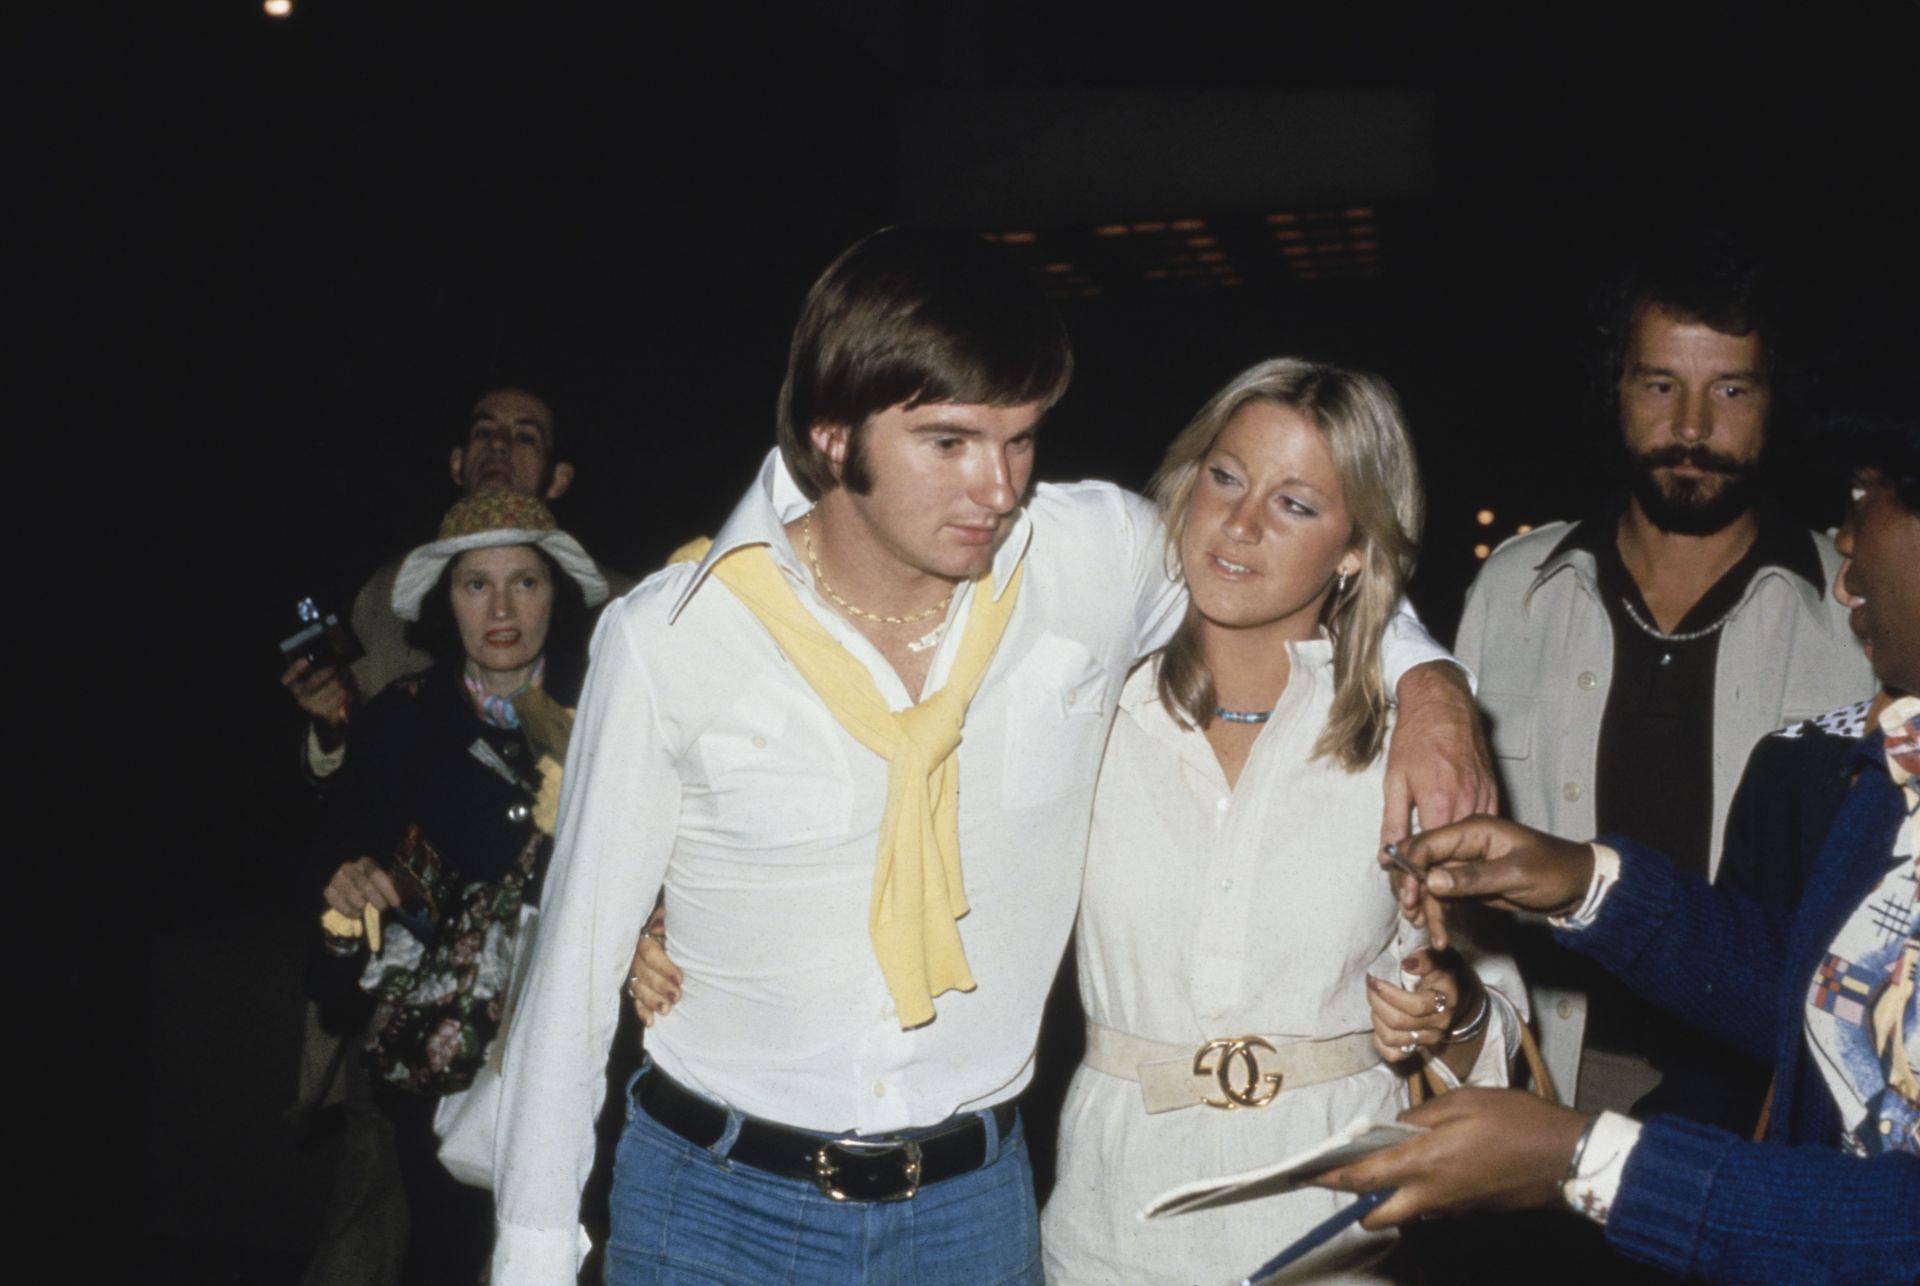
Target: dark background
(266, 265)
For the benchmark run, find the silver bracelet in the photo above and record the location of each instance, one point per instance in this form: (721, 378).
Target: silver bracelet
(1580, 1149)
(1474, 1025)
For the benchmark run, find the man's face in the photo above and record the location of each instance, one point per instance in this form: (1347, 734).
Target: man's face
(1880, 580)
(1693, 409)
(947, 477)
(510, 445)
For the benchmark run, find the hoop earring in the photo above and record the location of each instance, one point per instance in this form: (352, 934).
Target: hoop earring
(1340, 586)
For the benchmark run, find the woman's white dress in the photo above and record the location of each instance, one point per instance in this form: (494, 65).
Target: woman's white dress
(1214, 912)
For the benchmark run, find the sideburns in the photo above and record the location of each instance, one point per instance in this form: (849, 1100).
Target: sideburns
(856, 472)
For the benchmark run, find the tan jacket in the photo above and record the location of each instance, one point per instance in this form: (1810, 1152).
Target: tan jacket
(1538, 637)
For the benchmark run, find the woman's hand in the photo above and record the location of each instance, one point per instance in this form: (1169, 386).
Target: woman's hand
(653, 979)
(359, 884)
(1406, 1022)
(325, 694)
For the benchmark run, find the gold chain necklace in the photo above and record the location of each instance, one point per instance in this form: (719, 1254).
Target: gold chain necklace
(820, 579)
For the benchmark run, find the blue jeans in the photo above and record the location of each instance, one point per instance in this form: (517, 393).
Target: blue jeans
(685, 1214)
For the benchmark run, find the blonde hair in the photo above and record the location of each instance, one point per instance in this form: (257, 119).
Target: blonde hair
(1366, 434)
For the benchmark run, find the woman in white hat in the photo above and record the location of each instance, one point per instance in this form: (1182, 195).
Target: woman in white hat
(442, 828)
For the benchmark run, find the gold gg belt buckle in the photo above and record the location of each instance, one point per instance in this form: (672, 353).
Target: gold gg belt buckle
(1236, 1052)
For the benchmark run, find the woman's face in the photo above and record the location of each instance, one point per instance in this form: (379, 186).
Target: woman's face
(1268, 529)
(502, 602)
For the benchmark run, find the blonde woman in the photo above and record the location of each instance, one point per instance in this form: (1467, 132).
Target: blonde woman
(1233, 913)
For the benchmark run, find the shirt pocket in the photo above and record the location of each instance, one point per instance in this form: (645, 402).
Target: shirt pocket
(1511, 719)
(1057, 728)
(773, 774)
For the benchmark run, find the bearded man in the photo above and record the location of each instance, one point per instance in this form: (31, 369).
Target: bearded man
(1628, 662)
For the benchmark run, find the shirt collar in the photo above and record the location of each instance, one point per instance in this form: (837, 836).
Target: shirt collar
(775, 499)
(1780, 544)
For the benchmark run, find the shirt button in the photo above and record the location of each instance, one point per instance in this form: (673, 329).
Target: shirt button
(759, 743)
(1588, 680)
(519, 813)
(1072, 697)
(1570, 791)
(1564, 1009)
(879, 1089)
(1220, 806)
(1226, 886)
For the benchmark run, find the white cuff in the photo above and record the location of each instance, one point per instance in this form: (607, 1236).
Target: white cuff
(537, 1256)
(323, 763)
(1606, 874)
(1594, 1185)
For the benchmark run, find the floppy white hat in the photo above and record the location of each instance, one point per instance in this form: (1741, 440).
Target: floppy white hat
(481, 522)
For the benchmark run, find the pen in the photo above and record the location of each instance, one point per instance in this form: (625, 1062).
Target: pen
(1321, 1234)
(1399, 863)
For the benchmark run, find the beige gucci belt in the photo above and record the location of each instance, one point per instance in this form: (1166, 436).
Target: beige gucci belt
(1227, 1073)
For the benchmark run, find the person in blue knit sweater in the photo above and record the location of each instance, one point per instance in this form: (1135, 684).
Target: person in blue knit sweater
(1826, 992)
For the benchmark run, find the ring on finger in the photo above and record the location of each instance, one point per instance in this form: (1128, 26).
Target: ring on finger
(1410, 1046)
(1439, 1002)
(633, 980)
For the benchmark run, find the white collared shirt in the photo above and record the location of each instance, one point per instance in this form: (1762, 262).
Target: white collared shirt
(703, 762)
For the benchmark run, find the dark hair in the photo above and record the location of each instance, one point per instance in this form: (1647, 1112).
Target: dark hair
(1887, 444)
(907, 317)
(463, 431)
(438, 635)
(1710, 276)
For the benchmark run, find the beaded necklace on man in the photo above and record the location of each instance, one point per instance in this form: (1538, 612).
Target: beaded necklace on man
(920, 644)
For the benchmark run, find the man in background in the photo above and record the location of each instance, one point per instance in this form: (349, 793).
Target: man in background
(1629, 661)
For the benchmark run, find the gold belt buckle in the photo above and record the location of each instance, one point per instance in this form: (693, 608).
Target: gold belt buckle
(825, 1172)
(1254, 1090)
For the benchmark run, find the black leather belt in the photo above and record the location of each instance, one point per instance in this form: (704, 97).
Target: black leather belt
(848, 1168)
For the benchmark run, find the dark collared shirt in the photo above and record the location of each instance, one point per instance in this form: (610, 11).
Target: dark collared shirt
(1653, 775)
(1653, 778)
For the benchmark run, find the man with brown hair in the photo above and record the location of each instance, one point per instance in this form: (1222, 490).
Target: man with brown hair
(869, 905)
(1630, 661)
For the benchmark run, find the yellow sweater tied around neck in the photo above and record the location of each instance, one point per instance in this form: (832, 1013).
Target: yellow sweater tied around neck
(918, 889)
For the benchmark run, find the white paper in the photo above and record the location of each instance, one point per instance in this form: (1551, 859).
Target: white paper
(1361, 1137)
